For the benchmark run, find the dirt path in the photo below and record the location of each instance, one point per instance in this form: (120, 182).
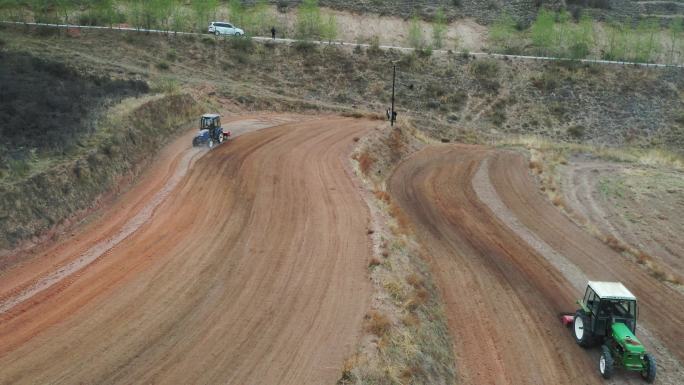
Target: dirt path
(502, 294)
(253, 270)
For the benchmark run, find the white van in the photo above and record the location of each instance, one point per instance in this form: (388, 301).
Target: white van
(223, 28)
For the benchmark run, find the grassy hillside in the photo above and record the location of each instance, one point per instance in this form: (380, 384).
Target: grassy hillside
(455, 97)
(625, 30)
(68, 134)
(449, 97)
(46, 108)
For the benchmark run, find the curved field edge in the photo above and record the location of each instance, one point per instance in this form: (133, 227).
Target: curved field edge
(406, 339)
(551, 163)
(124, 144)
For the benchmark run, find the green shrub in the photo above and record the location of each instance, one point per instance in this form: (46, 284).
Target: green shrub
(542, 31)
(576, 132)
(485, 69)
(172, 55)
(439, 28)
(304, 47)
(502, 33)
(244, 45)
(486, 72)
(309, 20)
(415, 36)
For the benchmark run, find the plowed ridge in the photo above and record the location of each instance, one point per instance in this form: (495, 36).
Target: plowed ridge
(252, 271)
(504, 290)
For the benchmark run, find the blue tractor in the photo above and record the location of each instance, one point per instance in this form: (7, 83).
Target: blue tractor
(210, 133)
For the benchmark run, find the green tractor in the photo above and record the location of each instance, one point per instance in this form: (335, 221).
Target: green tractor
(608, 316)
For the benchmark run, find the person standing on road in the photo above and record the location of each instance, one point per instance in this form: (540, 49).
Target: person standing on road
(273, 32)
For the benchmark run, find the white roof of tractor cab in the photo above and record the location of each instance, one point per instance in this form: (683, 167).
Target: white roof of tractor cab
(611, 290)
(210, 116)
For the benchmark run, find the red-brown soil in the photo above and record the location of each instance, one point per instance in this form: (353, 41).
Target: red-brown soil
(502, 294)
(252, 270)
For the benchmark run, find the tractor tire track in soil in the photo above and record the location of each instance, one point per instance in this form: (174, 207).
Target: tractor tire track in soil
(502, 295)
(252, 270)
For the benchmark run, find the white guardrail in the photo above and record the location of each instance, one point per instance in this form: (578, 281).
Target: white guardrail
(339, 43)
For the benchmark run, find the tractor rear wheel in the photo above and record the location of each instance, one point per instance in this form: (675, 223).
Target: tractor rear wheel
(649, 371)
(581, 330)
(210, 143)
(606, 362)
(220, 138)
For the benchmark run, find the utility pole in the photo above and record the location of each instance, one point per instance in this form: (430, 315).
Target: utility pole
(394, 78)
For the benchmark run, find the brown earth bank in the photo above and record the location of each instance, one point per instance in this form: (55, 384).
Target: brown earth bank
(502, 294)
(251, 270)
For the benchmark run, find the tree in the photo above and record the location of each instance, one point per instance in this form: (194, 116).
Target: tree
(501, 32)
(562, 18)
(309, 19)
(617, 42)
(162, 10)
(416, 39)
(582, 38)
(237, 12)
(260, 18)
(178, 19)
(646, 45)
(8, 8)
(439, 28)
(64, 7)
(203, 9)
(329, 30)
(676, 28)
(40, 10)
(542, 31)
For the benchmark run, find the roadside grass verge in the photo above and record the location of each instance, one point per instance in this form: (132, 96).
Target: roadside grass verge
(406, 341)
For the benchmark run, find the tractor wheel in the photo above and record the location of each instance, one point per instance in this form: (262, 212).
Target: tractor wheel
(220, 138)
(210, 143)
(580, 328)
(649, 371)
(606, 362)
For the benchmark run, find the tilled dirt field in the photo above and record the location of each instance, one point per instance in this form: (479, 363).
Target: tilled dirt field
(247, 266)
(641, 206)
(508, 262)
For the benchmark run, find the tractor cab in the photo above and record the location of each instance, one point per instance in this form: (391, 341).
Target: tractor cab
(210, 121)
(210, 131)
(608, 303)
(608, 316)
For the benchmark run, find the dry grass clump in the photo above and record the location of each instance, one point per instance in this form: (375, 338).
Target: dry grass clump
(415, 280)
(395, 290)
(411, 320)
(558, 201)
(366, 161)
(419, 297)
(412, 371)
(657, 271)
(377, 323)
(614, 243)
(403, 222)
(374, 262)
(643, 258)
(382, 196)
(536, 166)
